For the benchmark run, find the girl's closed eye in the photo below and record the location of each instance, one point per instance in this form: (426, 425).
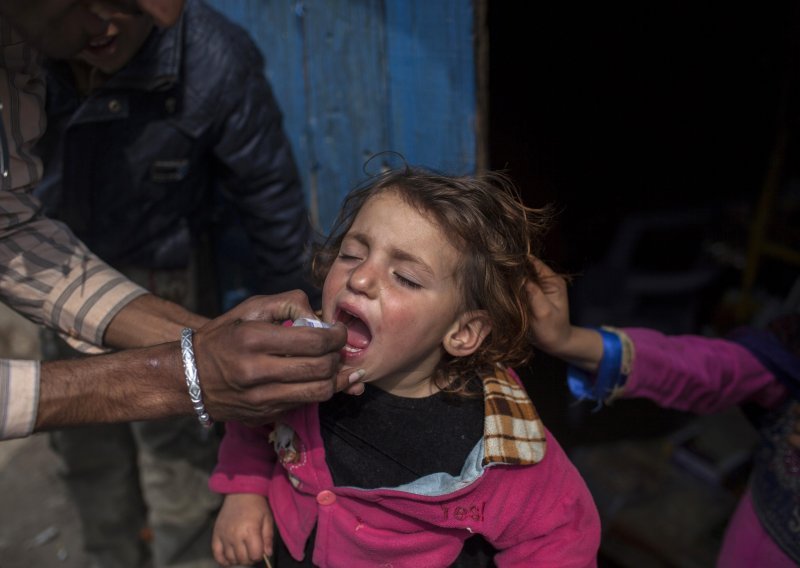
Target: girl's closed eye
(407, 282)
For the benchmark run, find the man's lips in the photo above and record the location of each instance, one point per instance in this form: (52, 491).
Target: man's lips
(101, 41)
(102, 45)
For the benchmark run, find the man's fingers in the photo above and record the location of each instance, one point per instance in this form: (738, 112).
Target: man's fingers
(355, 389)
(350, 381)
(254, 367)
(276, 308)
(275, 396)
(300, 389)
(272, 339)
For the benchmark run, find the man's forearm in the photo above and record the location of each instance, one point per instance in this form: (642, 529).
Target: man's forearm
(250, 368)
(149, 320)
(139, 384)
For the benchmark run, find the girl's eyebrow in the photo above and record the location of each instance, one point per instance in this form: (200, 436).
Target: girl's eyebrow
(406, 256)
(360, 238)
(395, 253)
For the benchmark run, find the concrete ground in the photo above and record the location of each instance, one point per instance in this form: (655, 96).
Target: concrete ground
(40, 525)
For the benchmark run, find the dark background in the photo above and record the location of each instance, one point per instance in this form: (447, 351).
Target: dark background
(648, 111)
(608, 109)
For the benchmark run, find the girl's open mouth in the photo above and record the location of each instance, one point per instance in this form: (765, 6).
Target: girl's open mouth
(358, 334)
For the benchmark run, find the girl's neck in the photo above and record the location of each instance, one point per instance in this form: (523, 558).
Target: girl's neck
(408, 386)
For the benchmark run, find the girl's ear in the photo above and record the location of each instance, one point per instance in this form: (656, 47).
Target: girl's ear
(467, 333)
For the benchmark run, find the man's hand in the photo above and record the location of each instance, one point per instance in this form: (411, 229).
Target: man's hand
(251, 368)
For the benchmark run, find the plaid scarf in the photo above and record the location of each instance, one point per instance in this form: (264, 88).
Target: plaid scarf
(513, 432)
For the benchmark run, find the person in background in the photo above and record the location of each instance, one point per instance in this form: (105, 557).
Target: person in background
(755, 367)
(152, 134)
(52, 278)
(443, 461)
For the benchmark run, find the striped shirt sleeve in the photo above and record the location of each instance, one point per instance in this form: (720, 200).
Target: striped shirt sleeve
(46, 273)
(19, 384)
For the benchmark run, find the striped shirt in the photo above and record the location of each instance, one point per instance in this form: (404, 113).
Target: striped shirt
(45, 272)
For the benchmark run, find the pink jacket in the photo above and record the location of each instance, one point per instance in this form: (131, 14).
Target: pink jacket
(704, 375)
(541, 514)
(698, 374)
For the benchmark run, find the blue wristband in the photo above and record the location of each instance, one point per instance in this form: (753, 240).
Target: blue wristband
(609, 373)
(580, 383)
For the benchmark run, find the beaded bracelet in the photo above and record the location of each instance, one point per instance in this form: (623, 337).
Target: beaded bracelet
(192, 380)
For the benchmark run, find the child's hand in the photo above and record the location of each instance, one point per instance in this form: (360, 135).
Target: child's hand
(550, 308)
(551, 330)
(243, 530)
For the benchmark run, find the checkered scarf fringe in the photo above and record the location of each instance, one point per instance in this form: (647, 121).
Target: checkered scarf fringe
(513, 432)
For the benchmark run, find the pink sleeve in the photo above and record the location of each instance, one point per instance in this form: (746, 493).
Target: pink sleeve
(245, 461)
(697, 374)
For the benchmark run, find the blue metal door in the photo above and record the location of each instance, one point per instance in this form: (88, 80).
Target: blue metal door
(359, 77)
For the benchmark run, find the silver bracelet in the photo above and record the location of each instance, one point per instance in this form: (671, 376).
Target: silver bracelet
(192, 380)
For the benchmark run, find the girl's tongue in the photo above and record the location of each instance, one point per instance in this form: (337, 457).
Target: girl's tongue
(358, 334)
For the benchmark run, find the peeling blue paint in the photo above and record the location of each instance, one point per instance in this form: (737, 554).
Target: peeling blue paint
(356, 77)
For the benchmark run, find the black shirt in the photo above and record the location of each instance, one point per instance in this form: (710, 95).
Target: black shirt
(382, 440)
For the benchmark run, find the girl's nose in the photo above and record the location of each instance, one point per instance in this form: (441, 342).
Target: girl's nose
(363, 279)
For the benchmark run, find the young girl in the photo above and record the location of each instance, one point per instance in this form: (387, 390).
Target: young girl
(428, 273)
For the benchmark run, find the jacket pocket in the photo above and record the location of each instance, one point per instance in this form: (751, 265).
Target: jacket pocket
(166, 171)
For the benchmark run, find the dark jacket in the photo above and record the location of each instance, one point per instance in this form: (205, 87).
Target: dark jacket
(149, 164)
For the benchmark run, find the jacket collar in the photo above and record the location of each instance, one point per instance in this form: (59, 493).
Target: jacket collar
(157, 65)
(513, 432)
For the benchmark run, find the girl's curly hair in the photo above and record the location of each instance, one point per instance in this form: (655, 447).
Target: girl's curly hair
(485, 219)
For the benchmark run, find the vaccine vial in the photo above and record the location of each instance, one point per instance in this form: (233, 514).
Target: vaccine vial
(309, 322)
